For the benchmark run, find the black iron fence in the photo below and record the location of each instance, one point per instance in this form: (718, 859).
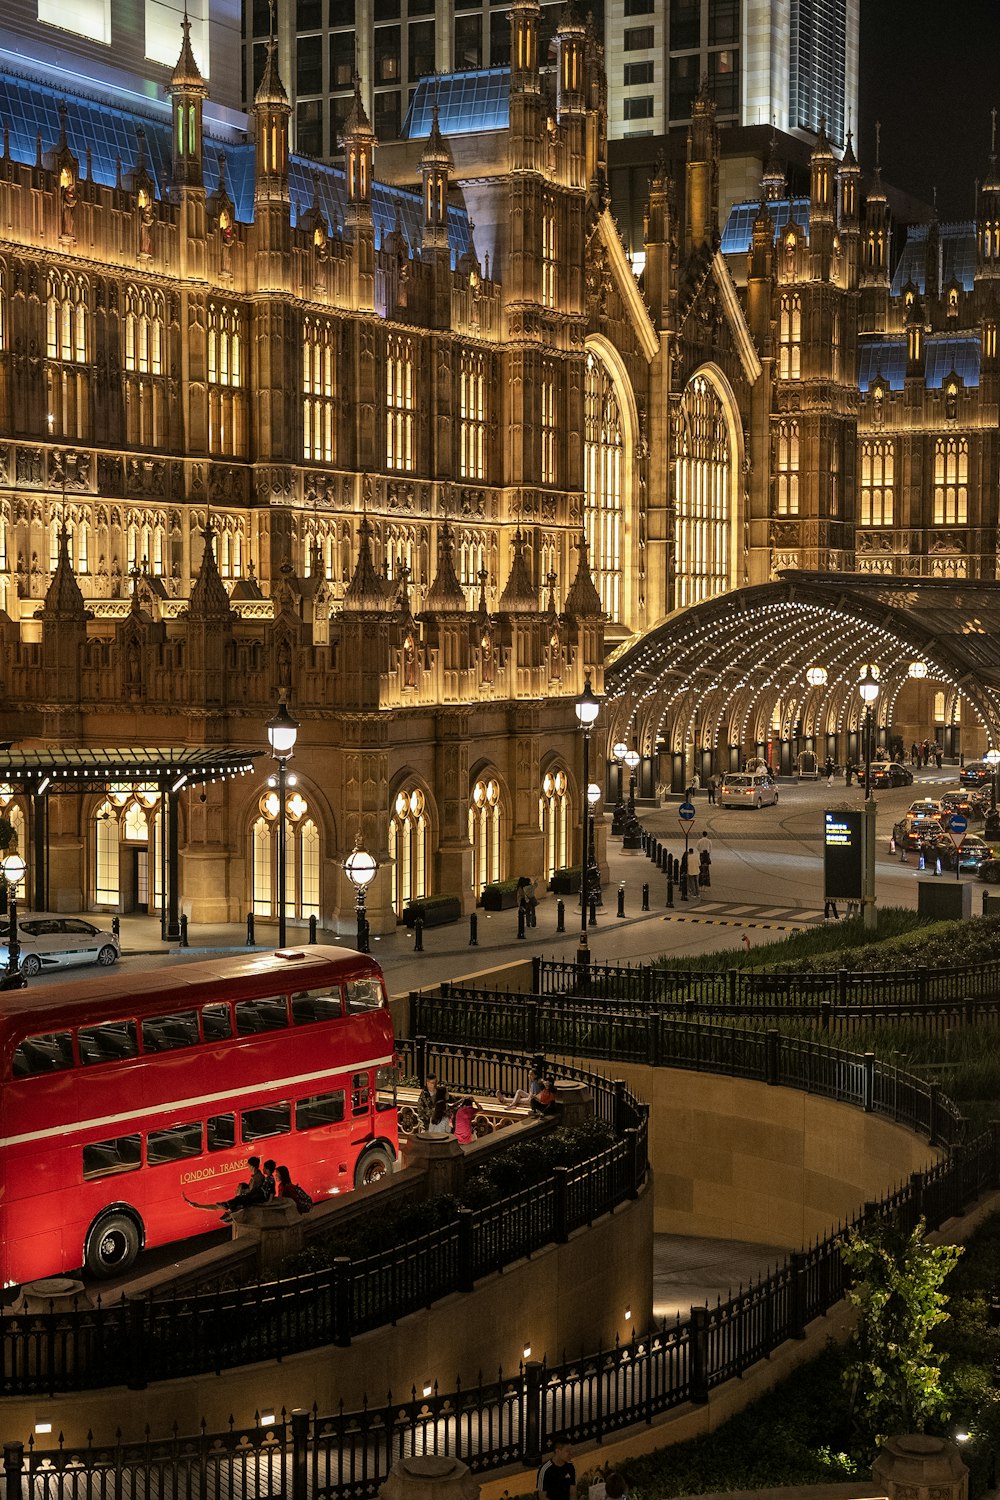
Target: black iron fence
(956, 987)
(138, 1342)
(510, 1420)
(560, 1027)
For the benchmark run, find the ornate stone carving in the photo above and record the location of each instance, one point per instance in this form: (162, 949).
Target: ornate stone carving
(225, 484)
(275, 482)
(70, 467)
(146, 476)
(30, 467)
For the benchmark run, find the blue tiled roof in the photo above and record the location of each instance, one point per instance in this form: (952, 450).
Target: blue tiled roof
(952, 352)
(739, 226)
(943, 353)
(466, 102)
(885, 357)
(29, 108)
(957, 258)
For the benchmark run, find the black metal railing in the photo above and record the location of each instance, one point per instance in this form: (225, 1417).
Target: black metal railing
(347, 1455)
(137, 1342)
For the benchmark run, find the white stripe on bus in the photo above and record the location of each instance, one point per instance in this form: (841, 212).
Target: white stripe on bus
(175, 1104)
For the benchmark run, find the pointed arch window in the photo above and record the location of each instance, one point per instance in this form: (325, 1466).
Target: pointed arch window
(486, 818)
(790, 336)
(302, 857)
(787, 469)
(877, 481)
(472, 416)
(408, 841)
(549, 253)
(145, 396)
(3, 305)
(399, 404)
(319, 441)
(547, 422)
(603, 483)
(703, 487)
(472, 558)
(554, 820)
(66, 378)
(951, 481)
(226, 398)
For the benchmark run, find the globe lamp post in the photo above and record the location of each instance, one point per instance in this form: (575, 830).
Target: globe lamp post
(587, 708)
(13, 867)
(619, 751)
(868, 687)
(361, 869)
(282, 732)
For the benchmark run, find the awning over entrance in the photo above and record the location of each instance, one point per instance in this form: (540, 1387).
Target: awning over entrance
(733, 672)
(161, 772)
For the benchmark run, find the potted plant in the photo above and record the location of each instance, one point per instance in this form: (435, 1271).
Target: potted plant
(435, 911)
(565, 881)
(499, 895)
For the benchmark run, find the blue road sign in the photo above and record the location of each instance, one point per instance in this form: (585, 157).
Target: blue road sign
(686, 812)
(958, 823)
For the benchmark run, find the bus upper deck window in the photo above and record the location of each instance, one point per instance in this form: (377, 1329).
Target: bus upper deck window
(317, 1005)
(216, 1023)
(253, 1016)
(359, 1094)
(164, 1033)
(364, 994)
(43, 1054)
(108, 1043)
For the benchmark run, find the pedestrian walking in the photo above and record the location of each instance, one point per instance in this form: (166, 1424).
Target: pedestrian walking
(703, 848)
(556, 1479)
(713, 783)
(828, 771)
(914, 754)
(850, 771)
(938, 755)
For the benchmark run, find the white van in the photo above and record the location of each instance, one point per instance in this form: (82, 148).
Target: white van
(747, 789)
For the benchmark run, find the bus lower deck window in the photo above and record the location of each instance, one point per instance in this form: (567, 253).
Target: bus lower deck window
(221, 1132)
(270, 1119)
(173, 1143)
(319, 1110)
(123, 1153)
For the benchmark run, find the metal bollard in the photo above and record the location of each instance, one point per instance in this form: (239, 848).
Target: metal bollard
(116, 926)
(418, 935)
(676, 870)
(560, 915)
(986, 901)
(473, 930)
(250, 929)
(621, 899)
(645, 896)
(520, 922)
(670, 887)
(312, 928)
(184, 930)
(683, 885)
(593, 911)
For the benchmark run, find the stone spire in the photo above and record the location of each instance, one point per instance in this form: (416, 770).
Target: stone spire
(63, 599)
(209, 600)
(188, 92)
(583, 601)
(773, 181)
(365, 590)
(446, 594)
(519, 591)
(271, 90)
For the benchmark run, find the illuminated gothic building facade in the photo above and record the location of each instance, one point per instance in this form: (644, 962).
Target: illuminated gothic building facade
(407, 445)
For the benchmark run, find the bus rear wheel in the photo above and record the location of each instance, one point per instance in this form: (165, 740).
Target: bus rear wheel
(112, 1245)
(373, 1166)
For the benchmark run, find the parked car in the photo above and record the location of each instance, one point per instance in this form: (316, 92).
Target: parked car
(976, 774)
(889, 773)
(747, 789)
(53, 942)
(970, 804)
(926, 807)
(973, 852)
(989, 870)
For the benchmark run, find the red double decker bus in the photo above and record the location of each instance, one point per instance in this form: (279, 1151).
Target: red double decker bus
(120, 1095)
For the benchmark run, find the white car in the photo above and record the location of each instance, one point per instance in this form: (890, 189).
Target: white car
(53, 942)
(747, 789)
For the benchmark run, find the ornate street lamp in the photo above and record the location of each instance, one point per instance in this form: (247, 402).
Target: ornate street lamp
(282, 732)
(13, 867)
(868, 687)
(816, 676)
(992, 759)
(361, 868)
(632, 760)
(587, 708)
(619, 751)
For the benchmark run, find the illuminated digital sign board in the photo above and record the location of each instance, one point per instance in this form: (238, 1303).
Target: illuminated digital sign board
(843, 855)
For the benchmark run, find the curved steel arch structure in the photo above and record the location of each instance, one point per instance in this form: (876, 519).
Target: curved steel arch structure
(731, 672)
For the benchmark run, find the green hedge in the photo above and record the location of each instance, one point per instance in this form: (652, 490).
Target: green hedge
(435, 911)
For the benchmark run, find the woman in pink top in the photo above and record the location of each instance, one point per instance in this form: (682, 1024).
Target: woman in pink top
(464, 1116)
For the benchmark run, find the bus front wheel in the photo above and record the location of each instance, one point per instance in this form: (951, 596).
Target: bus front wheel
(112, 1245)
(373, 1166)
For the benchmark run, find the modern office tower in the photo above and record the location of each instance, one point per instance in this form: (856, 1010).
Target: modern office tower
(128, 45)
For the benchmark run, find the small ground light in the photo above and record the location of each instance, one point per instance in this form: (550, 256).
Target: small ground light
(628, 1313)
(428, 1390)
(267, 1419)
(526, 1351)
(43, 1427)
(961, 1436)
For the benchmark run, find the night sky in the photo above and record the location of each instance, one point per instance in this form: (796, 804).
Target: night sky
(930, 71)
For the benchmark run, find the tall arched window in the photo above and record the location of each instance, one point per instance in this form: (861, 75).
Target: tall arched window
(553, 820)
(226, 410)
(703, 495)
(485, 832)
(790, 337)
(603, 498)
(399, 404)
(787, 468)
(143, 360)
(302, 858)
(319, 373)
(408, 848)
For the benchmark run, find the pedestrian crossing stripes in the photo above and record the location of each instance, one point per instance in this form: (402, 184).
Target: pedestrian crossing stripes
(746, 914)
